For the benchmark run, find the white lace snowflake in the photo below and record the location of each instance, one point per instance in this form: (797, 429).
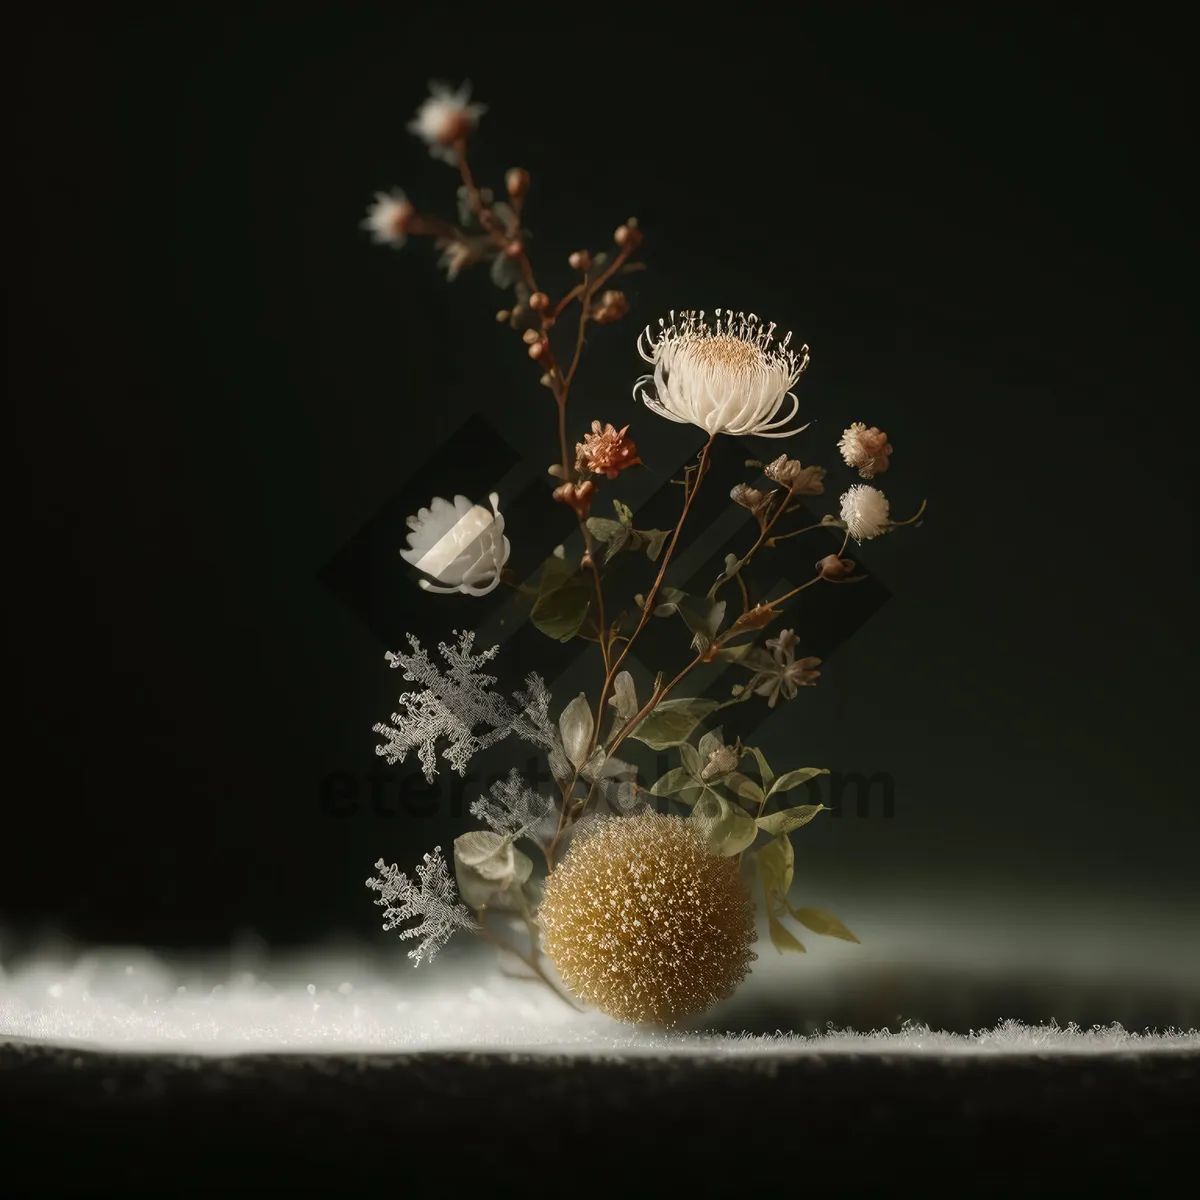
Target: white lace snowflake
(432, 898)
(517, 810)
(454, 703)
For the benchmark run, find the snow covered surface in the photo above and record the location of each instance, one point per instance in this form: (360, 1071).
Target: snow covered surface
(340, 1003)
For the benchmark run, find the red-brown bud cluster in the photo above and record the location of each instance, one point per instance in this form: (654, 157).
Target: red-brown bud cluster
(611, 306)
(578, 495)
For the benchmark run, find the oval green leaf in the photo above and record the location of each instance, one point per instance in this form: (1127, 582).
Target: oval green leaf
(673, 781)
(793, 779)
(822, 922)
(788, 819)
(728, 830)
(672, 722)
(782, 938)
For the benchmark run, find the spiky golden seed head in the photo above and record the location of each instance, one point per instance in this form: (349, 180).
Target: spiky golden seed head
(643, 922)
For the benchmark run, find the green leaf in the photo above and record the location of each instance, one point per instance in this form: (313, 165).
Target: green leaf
(675, 780)
(692, 762)
(672, 722)
(764, 769)
(822, 922)
(667, 601)
(776, 865)
(701, 615)
(562, 601)
(624, 697)
(624, 514)
(576, 725)
(490, 872)
(782, 937)
(748, 655)
(691, 794)
(793, 779)
(490, 854)
(655, 540)
(744, 788)
(728, 830)
(618, 542)
(711, 741)
(602, 529)
(788, 819)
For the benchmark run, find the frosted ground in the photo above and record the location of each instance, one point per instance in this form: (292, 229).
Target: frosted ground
(370, 999)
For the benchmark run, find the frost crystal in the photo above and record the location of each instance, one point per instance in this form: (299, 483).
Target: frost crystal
(454, 702)
(516, 810)
(432, 898)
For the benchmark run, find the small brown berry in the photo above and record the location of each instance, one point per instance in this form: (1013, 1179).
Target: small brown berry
(628, 234)
(517, 182)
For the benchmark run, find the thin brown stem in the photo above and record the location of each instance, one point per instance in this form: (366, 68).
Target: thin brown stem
(499, 235)
(745, 594)
(531, 960)
(914, 517)
(560, 398)
(763, 534)
(789, 595)
(585, 311)
(648, 606)
(783, 537)
(592, 286)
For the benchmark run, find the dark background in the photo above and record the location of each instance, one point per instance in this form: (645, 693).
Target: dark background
(983, 226)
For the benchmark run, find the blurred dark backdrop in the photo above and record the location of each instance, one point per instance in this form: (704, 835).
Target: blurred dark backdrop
(984, 227)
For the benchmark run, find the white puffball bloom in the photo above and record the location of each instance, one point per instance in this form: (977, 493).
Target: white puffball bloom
(387, 219)
(865, 511)
(446, 117)
(459, 544)
(730, 377)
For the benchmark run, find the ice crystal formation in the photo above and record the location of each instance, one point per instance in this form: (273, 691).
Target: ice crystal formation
(454, 703)
(515, 809)
(644, 922)
(644, 915)
(432, 898)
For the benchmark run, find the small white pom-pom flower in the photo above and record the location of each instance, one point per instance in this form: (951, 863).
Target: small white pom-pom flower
(445, 118)
(866, 450)
(459, 544)
(731, 377)
(388, 219)
(865, 511)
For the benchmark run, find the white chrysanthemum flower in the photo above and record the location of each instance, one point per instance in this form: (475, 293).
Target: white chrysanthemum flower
(459, 544)
(730, 377)
(444, 118)
(387, 220)
(865, 511)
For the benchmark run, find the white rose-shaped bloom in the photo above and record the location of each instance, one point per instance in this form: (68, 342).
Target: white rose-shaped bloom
(866, 512)
(730, 377)
(460, 544)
